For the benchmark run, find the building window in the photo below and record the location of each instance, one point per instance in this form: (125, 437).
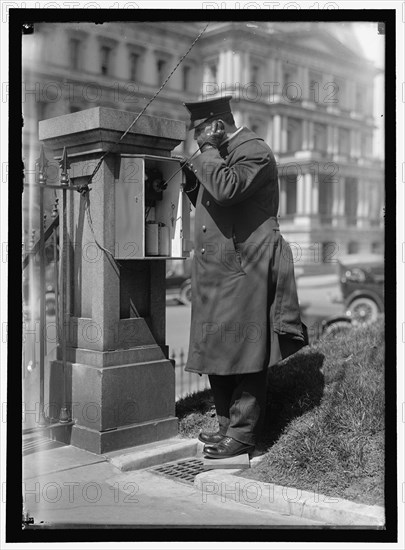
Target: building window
(336, 93)
(291, 89)
(315, 84)
(161, 69)
(352, 247)
(351, 200)
(320, 137)
(213, 69)
(367, 145)
(105, 60)
(361, 93)
(377, 247)
(74, 109)
(291, 192)
(294, 135)
(254, 74)
(74, 51)
(325, 199)
(186, 78)
(133, 65)
(344, 141)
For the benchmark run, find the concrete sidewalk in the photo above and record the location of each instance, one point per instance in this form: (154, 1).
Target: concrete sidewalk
(66, 485)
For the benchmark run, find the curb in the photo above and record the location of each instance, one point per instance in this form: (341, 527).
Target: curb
(153, 454)
(289, 500)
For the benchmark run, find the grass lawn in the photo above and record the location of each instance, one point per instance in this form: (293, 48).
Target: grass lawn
(324, 423)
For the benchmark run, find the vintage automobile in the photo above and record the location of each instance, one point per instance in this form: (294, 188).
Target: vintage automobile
(361, 280)
(362, 285)
(178, 281)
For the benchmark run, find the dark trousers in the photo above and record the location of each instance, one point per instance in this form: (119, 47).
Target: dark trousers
(240, 401)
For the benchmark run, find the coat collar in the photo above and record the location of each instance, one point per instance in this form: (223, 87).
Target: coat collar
(238, 138)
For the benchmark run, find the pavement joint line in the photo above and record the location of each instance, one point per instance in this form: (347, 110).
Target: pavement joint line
(66, 469)
(342, 513)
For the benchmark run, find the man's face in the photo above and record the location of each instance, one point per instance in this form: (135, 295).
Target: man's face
(201, 131)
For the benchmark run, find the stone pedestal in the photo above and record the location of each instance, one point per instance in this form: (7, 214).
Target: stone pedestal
(121, 383)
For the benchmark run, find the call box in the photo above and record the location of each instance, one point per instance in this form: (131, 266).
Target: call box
(152, 212)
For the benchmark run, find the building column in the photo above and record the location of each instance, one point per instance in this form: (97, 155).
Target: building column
(304, 194)
(229, 78)
(315, 196)
(283, 198)
(236, 66)
(363, 206)
(338, 207)
(305, 135)
(308, 192)
(304, 199)
(269, 132)
(310, 135)
(222, 69)
(300, 195)
(304, 82)
(244, 70)
(330, 140)
(351, 95)
(278, 77)
(325, 89)
(276, 134)
(283, 143)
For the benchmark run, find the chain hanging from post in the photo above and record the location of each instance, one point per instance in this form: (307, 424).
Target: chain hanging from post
(41, 163)
(64, 181)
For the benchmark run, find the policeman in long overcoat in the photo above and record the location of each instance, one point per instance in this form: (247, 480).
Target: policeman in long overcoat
(244, 299)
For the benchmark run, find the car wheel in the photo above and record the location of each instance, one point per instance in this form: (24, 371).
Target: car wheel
(185, 295)
(363, 310)
(337, 327)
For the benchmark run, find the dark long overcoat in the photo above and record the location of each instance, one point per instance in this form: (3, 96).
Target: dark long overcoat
(243, 288)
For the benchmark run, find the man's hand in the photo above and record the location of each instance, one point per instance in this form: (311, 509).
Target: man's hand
(212, 136)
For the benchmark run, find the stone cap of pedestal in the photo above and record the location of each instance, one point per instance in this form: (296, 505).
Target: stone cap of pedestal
(99, 129)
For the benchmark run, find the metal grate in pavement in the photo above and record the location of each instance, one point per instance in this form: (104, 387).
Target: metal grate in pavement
(181, 470)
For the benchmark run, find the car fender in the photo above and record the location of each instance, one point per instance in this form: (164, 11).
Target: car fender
(365, 294)
(335, 319)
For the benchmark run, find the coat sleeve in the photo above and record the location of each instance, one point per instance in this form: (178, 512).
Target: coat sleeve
(192, 184)
(232, 184)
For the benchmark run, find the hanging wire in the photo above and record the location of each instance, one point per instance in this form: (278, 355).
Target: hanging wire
(96, 169)
(84, 190)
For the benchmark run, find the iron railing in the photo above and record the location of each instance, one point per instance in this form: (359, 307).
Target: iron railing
(187, 382)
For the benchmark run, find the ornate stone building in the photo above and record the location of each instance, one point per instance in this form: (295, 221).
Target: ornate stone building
(305, 88)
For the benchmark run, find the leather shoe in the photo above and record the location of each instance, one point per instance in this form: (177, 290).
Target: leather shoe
(227, 448)
(212, 438)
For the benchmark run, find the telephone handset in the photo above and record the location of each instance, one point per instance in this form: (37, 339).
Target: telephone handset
(216, 126)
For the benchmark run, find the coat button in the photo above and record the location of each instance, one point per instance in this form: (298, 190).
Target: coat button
(203, 251)
(204, 228)
(208, 203)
